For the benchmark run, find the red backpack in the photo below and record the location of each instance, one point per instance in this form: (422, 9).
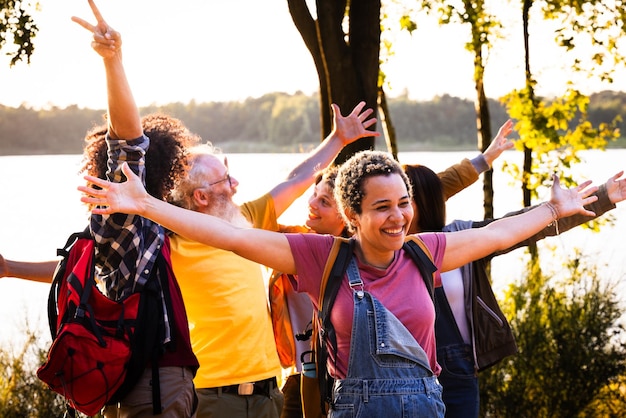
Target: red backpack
(100, 347)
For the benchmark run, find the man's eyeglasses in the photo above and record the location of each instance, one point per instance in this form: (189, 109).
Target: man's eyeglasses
(226, 178)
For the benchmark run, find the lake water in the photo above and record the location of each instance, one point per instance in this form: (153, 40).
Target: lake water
(40, 207)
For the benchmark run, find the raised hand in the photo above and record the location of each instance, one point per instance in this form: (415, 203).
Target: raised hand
(500, 143)
(354, 126)
(106, 41)
(568, 202)
(616, 188)
(127, 197)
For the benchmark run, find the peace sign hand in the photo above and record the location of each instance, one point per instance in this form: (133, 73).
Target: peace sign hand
(106, 41)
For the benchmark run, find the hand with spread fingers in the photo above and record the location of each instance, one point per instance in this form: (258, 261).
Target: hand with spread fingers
(571, 201)
(354, 126)
(500, 143)
(126, 197)
(616, 188)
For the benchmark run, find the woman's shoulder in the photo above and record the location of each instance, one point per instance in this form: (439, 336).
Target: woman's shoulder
(436, 243)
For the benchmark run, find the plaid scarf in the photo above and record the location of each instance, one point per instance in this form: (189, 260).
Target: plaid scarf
(126, 245)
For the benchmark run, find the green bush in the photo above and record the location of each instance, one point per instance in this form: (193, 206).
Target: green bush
(572, 351)
(22, 394)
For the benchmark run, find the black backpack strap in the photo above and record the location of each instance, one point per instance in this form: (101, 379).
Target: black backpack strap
(327, 331)
(65, 251)
(59, 276)
(149, 334)
(334, 279)
(424, 263)
(158, 349)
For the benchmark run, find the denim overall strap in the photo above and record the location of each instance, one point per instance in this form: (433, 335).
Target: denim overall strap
(388, 371)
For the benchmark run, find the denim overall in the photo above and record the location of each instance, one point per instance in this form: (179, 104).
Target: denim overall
(388, 372)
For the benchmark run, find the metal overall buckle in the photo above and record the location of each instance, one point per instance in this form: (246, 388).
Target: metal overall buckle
(357, 287)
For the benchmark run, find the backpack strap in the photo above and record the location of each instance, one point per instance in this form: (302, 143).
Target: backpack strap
(422, 257)
(59, 276)
(65, 251)
(334, 270)
(157, 350)
(336, 266)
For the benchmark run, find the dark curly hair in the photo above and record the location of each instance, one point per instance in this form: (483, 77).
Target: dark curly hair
(352, 174)
(166, 158)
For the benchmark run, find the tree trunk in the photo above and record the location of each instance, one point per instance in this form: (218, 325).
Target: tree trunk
(347, 70)
(527, 4)
(389, 131)
(483, 125)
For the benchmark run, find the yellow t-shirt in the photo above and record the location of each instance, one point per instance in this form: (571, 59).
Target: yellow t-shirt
(226, 302)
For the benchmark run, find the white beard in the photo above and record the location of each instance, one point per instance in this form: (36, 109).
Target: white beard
(224, 208)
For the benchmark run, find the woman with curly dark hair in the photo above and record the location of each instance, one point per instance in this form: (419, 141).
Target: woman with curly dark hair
(131, 251)
(166, 158)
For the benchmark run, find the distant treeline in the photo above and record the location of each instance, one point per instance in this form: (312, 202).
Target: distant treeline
(276, 122)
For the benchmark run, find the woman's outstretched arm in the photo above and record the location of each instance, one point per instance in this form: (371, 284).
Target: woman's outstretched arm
(264, 247)
(465, 246)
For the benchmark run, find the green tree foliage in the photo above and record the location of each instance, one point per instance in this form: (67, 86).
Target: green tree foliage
(555, 131)
(22, 394)
(609, 403)
(603, 24)
(572, 347)
(442, 123)
(275, 122)
(59, 130)
(17, 27)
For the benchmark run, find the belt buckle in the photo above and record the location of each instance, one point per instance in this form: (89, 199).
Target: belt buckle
(245, 389)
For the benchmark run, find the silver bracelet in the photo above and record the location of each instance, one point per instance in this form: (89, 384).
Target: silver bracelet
(555, 216)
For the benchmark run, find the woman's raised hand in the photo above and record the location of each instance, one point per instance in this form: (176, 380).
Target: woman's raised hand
(354, 126)
(106, 41)
(571, 201)
(616, 188)
(127, 197)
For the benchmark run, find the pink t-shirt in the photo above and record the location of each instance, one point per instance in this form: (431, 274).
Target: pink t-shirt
(400, 288)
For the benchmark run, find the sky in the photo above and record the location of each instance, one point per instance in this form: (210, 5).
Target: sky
(217, 50)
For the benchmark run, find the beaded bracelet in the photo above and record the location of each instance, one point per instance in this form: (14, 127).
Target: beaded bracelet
(555, 216)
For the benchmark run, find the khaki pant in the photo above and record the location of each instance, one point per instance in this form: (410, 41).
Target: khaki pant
(177, 396)
(216, 404)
